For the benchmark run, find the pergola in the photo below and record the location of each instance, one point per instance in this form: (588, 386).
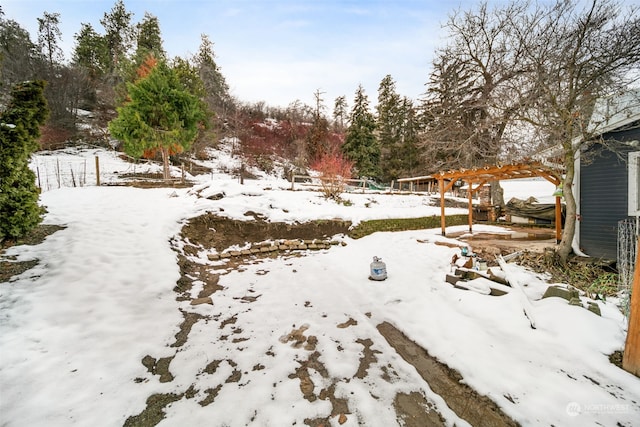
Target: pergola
(481, 176)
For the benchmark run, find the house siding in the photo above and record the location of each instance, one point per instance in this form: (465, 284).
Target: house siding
(603, 195)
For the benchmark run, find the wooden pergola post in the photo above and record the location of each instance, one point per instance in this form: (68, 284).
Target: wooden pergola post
(470, 197)
(558, 220)
(631, 357)
(442, 217)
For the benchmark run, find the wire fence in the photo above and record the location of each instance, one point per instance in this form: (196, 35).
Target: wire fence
(56, 173)
(627, 250)
(75, 169)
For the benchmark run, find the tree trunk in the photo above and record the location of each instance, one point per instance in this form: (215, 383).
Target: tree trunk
(497, 194)
(165, 163)
(565, 246)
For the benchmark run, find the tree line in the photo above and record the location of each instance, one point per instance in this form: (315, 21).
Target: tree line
(510, 80)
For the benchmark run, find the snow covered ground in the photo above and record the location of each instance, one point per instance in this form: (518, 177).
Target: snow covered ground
(74, 329)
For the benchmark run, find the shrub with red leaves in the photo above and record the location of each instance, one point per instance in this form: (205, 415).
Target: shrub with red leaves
(334, 171)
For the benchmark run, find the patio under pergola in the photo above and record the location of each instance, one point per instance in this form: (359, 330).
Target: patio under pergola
(477, 177)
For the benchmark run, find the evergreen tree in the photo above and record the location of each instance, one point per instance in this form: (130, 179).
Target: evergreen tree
(340, 113)
(216, 88)
(148, 38)
(118, 35)
(409, 151)
(189, 76)
(160, 115)
(19, 130)
(90, 51)
(318, 135)
(389, 125)
(17, 57)
(360, 145)
(49, 38)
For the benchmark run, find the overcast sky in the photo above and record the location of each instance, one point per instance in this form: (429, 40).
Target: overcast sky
(279, 51)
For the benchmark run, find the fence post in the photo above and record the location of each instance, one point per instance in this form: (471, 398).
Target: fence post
(293, 179)
(631, 357)
(58, 171)
(97, 171)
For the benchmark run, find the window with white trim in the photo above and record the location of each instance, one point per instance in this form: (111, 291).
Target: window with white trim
(634, 183)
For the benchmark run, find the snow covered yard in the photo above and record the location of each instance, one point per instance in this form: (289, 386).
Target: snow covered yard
(95, 334)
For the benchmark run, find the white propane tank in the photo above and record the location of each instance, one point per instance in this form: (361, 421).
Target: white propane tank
(378, 269)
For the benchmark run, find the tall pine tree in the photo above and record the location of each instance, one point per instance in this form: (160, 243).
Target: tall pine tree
(409, 152)
(389, 126)
(19, 129)
(118, 35)
(317, 140)
(360, 145)
(148, 38)
(90, 51)
(215, 85)
(339, 113)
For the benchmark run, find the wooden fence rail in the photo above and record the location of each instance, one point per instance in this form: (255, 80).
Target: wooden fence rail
(312, 181)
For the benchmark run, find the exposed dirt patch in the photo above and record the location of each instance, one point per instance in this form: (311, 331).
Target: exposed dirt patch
(154, 412)
(339, 406)
(201, 282)
(462, 399)
(298, 339)
(191, 272)
(416, 411)
(212, 393)
(348, 323)
(368, 357)
(8, 269)
(159, 367)
(190, 319)
(34, 237)
(8, 266)
(212, 231)
(151, 184)
(616, 358)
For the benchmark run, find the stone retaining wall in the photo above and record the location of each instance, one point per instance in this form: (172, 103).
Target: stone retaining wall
(276, 246)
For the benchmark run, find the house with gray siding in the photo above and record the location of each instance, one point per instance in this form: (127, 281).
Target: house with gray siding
(607, 179)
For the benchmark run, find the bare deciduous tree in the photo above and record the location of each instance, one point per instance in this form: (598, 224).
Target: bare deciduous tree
(580, 55)
(539, 66)
(474, 90)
